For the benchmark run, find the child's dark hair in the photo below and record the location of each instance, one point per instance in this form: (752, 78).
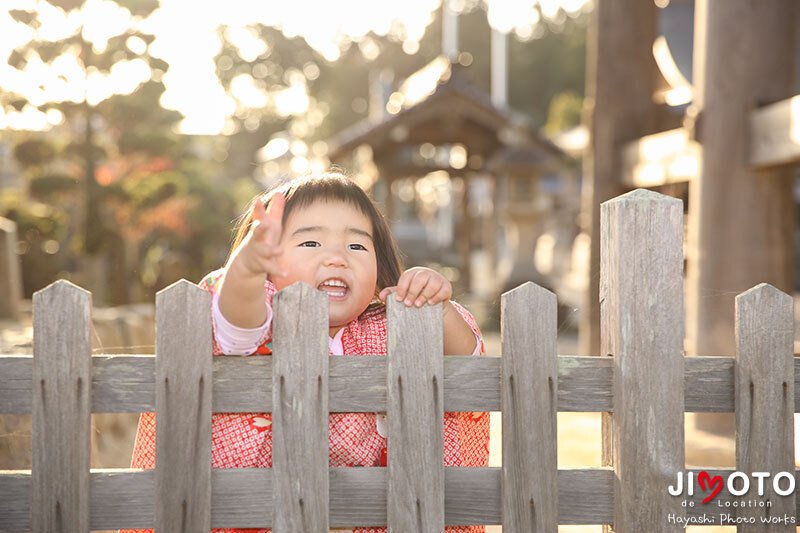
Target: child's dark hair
(332, 186)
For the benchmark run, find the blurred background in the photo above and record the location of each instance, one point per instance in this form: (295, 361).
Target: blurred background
(134, 132)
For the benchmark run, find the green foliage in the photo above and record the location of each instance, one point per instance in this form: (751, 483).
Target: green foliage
(138, 125)
(24, 17)
(136, 7)
(67, 5)
(148, 190)
(40, 228)
(34, 152)
(139, 110)
(34, 220)
(190, 227)
(48, 186)
(82, 147)
(544, 67)
(75, 151)
(139, 8)
(132, 141)
(142, 195)
(566, 111)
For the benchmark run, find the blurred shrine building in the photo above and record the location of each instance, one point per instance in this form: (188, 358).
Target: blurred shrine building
(466, 184)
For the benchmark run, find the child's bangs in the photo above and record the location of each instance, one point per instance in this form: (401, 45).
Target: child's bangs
(329, 189)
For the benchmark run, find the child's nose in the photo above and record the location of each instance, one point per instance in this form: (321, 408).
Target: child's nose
(336, 258)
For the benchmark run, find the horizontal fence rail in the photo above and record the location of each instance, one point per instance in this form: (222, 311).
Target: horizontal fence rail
(244, 497)
(126, 383)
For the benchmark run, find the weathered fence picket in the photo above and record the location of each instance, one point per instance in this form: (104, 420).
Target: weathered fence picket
(415, 411)
(529, 382)
(645, 386)
(61, 421)
(764, 398)
(641, 315)
(300, 410)
(183, 409)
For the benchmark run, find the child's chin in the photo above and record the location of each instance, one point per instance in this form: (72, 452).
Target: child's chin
(342, 316)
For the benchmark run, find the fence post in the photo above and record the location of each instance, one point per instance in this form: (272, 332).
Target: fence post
(529, 383)
(415, 411)
(300, 446)
(764, 378)
(10, 275)
(642, 327)
(183, 409)
(61, 409)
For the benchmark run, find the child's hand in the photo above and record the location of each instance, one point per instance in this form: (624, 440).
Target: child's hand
(419, 286)
(259, 250)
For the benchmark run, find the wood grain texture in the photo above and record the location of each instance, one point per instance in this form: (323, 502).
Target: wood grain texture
(183, 409)
(127, 381)
(300, 415)
(736, 68)
(61, 417)
(764, 398)
(620, 82)
(641, 295)
(243, 497)
(415, 409)
(126, 384)
(529, 383)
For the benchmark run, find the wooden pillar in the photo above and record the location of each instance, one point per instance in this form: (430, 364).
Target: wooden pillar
(620, 80)
(10, 274)
(464, 236)
(391, 203)
(387, 199)
(491, 227)
(741, 222)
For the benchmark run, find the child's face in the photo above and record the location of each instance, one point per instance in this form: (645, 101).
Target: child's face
(327, 245)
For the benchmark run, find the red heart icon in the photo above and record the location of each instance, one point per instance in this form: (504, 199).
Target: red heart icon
(715, 481)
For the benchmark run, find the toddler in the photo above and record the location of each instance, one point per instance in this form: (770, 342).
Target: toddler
(326, 232)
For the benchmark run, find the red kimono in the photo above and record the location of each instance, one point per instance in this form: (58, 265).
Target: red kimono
(244, 440)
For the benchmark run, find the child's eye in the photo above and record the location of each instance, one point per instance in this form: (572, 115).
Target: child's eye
(309, 244)
(358, 247)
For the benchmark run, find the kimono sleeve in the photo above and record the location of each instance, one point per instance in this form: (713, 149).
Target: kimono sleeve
(473, 325)
(144, 452)
(466, 434)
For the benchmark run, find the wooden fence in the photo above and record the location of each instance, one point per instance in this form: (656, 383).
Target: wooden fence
(642, 380)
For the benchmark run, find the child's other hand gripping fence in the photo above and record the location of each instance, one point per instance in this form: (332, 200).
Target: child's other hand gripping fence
(646, 383)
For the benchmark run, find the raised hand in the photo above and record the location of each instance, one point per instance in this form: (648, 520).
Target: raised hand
(258, 252)
(419, 286)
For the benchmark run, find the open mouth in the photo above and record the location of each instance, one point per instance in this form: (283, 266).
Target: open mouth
(335, 288)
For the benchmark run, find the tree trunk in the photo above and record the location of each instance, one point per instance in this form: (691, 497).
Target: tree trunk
(620, 80)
